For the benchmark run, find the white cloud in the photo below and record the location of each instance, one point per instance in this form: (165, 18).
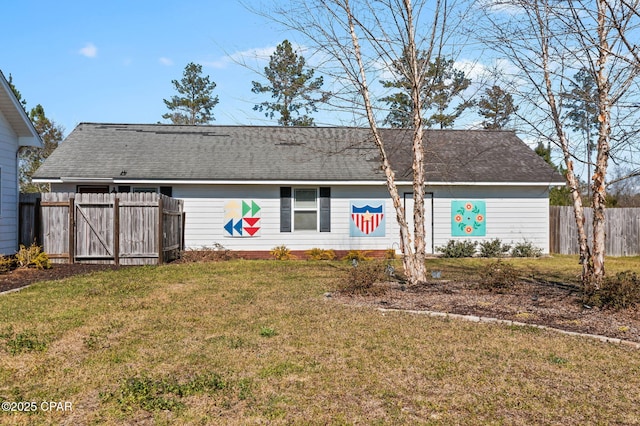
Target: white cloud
(165, 61)
(89, 51)
(258, 54)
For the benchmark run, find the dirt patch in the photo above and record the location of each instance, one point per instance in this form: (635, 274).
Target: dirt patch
(24, 276)
(542, 303)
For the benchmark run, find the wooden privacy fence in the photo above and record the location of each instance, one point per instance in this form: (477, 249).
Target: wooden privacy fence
(622, 228)
(117, 228)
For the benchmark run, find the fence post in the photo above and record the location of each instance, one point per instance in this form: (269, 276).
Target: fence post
(116, 230)
(160, 231)
(72, 232)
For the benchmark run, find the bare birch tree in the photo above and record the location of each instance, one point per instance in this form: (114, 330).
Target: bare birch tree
(549, 41)
(358, 42)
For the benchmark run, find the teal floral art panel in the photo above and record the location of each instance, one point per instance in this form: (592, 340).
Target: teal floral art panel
(468, 218)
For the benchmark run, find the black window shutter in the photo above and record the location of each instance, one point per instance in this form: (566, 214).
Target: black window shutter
(166, 190)
(325, 209)
(285, 209)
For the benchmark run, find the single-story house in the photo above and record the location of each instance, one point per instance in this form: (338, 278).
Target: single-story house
(252, 188)
(16, 132)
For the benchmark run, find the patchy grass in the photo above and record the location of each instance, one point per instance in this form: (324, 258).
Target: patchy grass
(556, 268)
(255, 342)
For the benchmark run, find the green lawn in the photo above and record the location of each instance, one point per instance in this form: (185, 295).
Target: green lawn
(256, 342)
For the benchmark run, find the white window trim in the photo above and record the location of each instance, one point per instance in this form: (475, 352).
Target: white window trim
(315, 209)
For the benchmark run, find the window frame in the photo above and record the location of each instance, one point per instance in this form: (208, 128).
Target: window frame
(295, 209)
(144, 189)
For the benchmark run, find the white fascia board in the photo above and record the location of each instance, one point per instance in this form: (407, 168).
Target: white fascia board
(85, 180)
(494, 183)
(280, 182)
(324, 183)
(30, 141)
(44, 180)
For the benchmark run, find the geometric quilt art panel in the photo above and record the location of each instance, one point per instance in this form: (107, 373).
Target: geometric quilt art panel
(367, 218)
(242, 218)
(468, 218)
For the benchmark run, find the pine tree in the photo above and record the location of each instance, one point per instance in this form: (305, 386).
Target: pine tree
(17, 93)
(443, 83)
(31, 157)
(196, 101)
(496, 106)
(292, 87)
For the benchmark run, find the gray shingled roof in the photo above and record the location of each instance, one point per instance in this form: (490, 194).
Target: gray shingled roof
(241, 153)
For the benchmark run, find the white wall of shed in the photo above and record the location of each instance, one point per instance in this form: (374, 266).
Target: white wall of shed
(514, 214)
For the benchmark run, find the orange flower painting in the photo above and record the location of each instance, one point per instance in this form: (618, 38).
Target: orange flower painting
(468, 218)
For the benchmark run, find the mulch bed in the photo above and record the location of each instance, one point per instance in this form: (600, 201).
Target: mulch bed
(22, 277)
(549, 304)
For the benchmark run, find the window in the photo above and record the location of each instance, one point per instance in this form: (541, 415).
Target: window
(305, 209)
(310, 208)
(92, 189)
(145, 189)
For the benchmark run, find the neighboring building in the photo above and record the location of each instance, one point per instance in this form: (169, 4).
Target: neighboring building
(253, 188)
(16, 131)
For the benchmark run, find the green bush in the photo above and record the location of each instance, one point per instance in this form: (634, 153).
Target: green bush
(525, 249)
(494, 248)
(455, 248)
(498, 275)
(619, 292)
(320, 254)
(362, 279)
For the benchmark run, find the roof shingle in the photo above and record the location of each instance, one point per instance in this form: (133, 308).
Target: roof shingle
(249, 153)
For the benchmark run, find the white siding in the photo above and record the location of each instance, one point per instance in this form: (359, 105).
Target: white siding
(204, 210)
(513, 214)
(8, 189)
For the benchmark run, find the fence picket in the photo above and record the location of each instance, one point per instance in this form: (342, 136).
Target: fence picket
(622, 229)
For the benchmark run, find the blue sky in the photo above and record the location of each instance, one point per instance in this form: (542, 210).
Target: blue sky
(113, 61)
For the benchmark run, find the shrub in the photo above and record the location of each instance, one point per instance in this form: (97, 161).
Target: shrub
(498, 275)
(206, 254)
(619, 292)
(7, 263)
(525, 249)
(359, 255)
(362, 279)
(455, 248)
(281, 253)
(32, 257)
(390, 254)
(494, 248)
(320, 254)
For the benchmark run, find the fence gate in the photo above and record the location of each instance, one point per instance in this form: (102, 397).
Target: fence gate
(95, 228)
(121, 228)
